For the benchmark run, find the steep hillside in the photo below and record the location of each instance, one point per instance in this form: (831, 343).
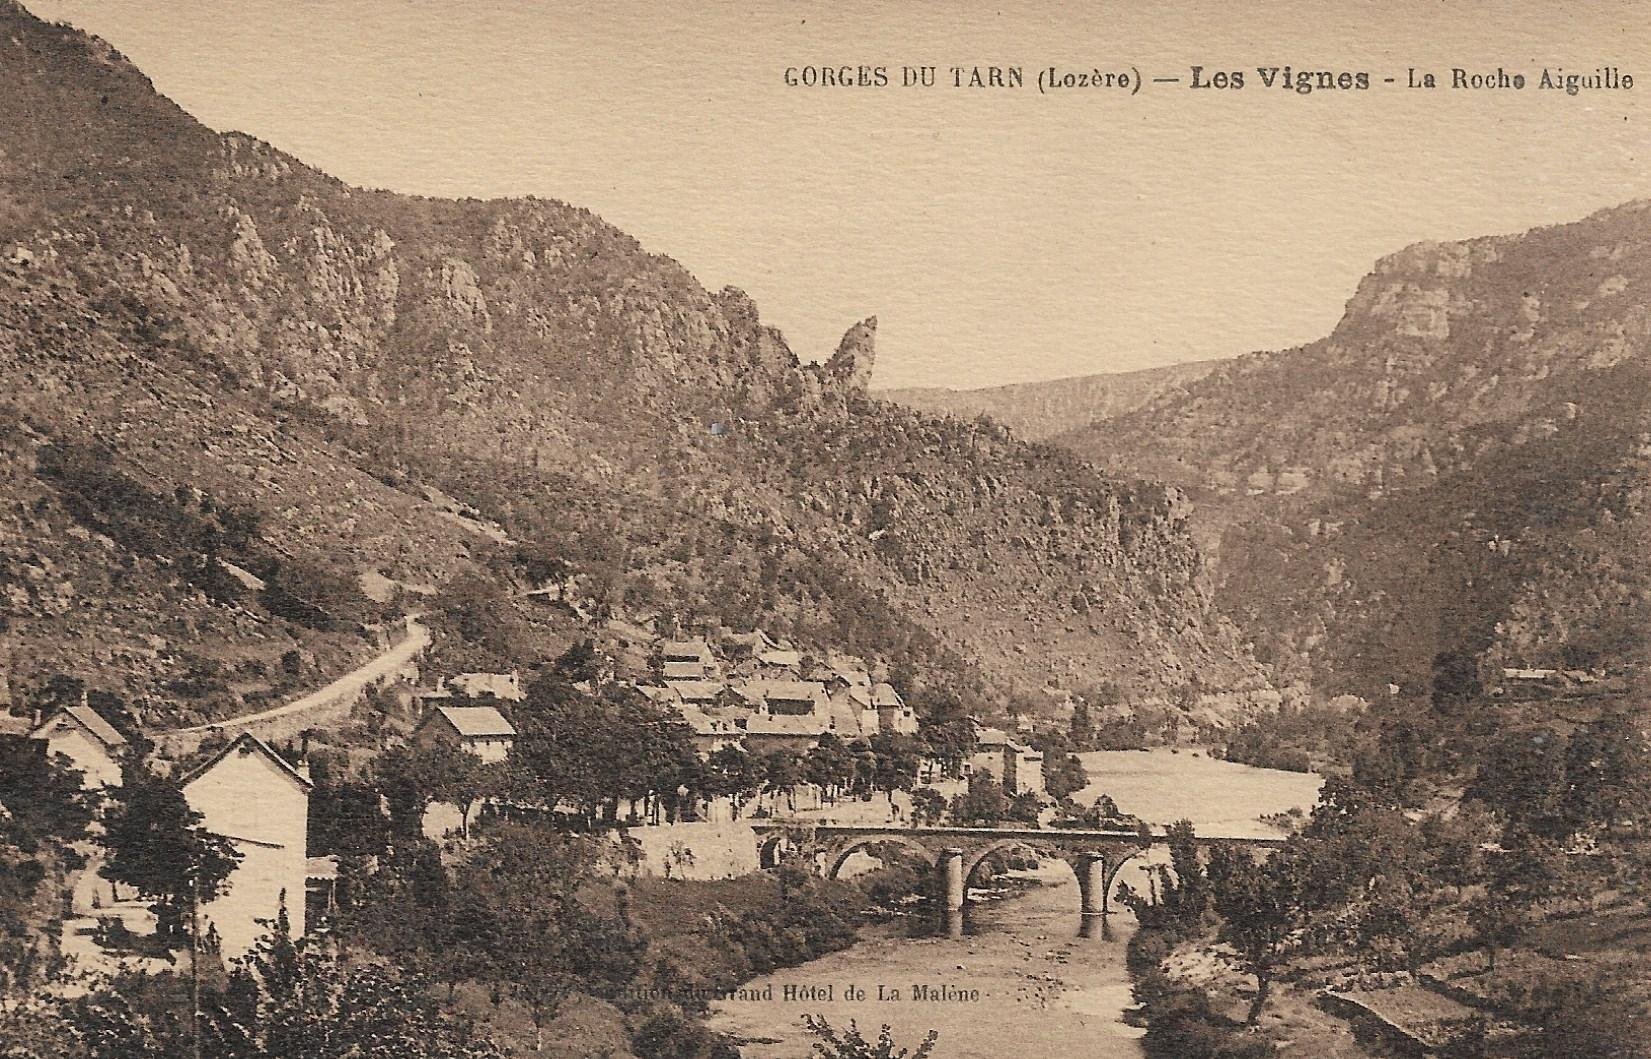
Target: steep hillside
(1460, 466)
(457, 392)
(1040, 410)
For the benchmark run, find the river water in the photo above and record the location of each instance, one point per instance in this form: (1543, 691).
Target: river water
(1022, 979)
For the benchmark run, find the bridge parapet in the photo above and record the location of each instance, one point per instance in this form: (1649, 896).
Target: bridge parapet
(1096, 856)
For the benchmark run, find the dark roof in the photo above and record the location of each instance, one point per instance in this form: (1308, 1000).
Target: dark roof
(94, 725)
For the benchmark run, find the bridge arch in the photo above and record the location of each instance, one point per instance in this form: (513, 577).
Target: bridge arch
(770, 849)
(839, 855)
(1101, 879)
(973, 860)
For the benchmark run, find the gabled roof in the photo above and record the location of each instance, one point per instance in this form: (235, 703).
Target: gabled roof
(685, 650)
(885, 695)
(845, 720)
(756, 639)
(660, 694)
(246, 742)
(852, 676)
(684, 670)
(703, 723)
(994, 737)
(88, 720)
(697, 690)
(786, 724)
(788, 690)
(474, 722)
(784, 659)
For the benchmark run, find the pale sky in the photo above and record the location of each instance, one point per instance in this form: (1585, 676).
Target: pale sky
(999, 236)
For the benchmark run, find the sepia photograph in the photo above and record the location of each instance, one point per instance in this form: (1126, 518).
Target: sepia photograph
(786, 529)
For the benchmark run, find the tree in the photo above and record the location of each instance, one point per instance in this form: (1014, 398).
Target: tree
(732, 773)
(287, 999)
(1183, 888)
(595, 750)
(983, 803)
(783, 771)
(830, 1043)
(1455, 681)
(1607, 774)
(1082, 729)
(829, 765)
(928, 807)
(948, 738)
(895, 761)
(1260, 912)
(548, 944)
(156, 845)
(1522, 778)
(579, 664)
(1063, 774)
(44, 799)
(542, 564)
(346, 819)
(1526, 870)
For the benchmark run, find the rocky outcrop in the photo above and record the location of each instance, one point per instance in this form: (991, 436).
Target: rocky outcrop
(1459, 465)
(851, 366)
(542, 367)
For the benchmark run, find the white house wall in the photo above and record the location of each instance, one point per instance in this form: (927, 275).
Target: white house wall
(250, 799)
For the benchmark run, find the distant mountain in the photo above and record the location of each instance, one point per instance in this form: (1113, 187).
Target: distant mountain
(232, 358)
(1460, 466)
(1039, 410)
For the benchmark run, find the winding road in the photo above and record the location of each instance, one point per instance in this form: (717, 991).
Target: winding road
(346, 686)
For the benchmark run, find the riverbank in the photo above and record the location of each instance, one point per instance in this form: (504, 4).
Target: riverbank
(1022, 971)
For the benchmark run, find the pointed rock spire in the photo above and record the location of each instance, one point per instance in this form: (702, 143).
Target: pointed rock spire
(856, 356)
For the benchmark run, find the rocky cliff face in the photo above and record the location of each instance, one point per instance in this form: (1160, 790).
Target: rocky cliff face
(1460, 465)
(217, 316)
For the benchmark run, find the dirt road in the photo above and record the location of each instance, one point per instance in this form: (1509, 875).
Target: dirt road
(346, 686)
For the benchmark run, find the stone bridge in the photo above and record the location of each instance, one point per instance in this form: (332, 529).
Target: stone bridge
(1094, 855)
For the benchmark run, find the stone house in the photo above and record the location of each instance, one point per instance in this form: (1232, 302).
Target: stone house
(893, 715)
(91, 744)
(778, 664)
(1018, 768)
(689, 659)
(250, 795)
(683, 671)
(479, 730)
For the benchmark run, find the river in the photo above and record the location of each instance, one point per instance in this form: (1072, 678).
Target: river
(1024, 972)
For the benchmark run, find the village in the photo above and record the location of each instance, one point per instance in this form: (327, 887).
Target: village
(743, 697)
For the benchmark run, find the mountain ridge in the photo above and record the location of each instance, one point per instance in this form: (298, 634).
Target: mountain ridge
(1046, 408)
(332, 357)
(1456, 370)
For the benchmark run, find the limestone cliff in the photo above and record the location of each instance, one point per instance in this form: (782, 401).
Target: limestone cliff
(214, 315)
(1461, 465)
